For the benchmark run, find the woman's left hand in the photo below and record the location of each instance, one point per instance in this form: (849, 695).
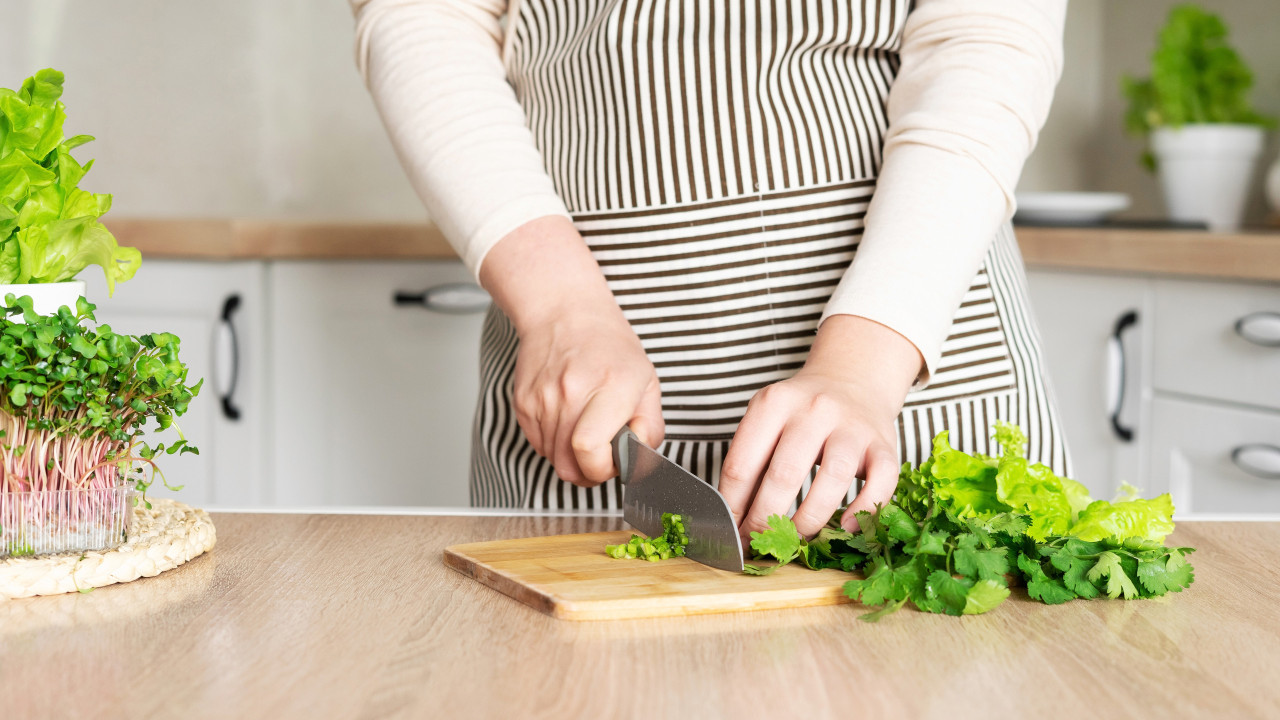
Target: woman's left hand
(839, 412)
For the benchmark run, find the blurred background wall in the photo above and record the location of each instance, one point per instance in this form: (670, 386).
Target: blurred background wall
(253, 108)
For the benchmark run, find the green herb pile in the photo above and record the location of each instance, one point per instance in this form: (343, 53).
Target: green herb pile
(49, 229)
(1196, 77)
(74, 399)
(963, 527)
(671, 543)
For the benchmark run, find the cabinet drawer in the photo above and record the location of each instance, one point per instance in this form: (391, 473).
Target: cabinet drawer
(1192, 444)
(1198, 350)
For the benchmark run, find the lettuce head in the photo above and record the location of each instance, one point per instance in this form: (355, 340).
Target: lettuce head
(49, 226)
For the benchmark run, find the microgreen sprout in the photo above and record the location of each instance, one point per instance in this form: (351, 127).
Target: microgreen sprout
(74, 399)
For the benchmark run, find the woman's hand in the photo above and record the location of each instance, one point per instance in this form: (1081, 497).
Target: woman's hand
(840, 412)
(581, 372)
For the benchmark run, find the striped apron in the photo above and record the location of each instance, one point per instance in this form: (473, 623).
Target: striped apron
(718, 158)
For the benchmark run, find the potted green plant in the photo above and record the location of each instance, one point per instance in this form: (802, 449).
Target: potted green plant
(76, 398)
(1204, 136)
(49, 227)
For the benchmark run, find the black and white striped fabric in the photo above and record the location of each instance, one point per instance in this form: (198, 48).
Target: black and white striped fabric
(718, 158)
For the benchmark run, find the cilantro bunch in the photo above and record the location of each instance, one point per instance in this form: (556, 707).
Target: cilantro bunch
(963, 528)
(671, 543)
(1196, 77)
(49, 228)
(74, 399)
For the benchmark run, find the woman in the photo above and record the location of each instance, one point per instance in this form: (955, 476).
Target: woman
(667, 198)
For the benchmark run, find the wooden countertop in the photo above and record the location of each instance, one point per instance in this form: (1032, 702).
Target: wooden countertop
(1234, 256)
(1251, 255)
(350, 616)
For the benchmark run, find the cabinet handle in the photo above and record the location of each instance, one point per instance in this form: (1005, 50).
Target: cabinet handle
(1260, 328)
(1259, 460)
(227, 338)
(1116, 373)
(450, 299)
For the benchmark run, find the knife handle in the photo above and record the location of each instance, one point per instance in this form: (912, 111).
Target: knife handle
(622, 452)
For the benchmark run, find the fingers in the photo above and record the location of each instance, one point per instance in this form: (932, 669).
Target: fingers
(565, 458)
(840, 461)
(528, 410)
(647, 423)
(881, 480)
(752, 446)
(608, 409)
(792, 461)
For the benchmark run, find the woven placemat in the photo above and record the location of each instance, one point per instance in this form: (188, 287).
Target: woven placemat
(160, 538)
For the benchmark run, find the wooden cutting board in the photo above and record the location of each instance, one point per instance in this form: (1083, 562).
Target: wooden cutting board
(571, 577)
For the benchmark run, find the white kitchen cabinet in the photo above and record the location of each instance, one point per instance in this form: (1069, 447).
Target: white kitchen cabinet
(372, 401)
(1201, 392)
(1218, 341)
(190, 299)
(1079, 315)
(1215, 458)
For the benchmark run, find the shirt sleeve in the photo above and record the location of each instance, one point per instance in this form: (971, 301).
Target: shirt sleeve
(973, 89)
(435, 70)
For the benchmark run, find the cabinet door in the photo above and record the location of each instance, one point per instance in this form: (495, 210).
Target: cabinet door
(1078, 316)
(372, 400)
(188, 299)
(1216, 458)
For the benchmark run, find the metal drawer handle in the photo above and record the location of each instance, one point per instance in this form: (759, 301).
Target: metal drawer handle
(451, 299)
(1115, 374)
(1260, 328)
(227, 375)
(1259, 460)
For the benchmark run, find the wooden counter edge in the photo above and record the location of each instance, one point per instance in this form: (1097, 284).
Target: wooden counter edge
(1246, 255)
(229, 239)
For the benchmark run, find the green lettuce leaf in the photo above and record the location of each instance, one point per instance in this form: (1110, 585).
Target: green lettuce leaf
(965, 484)
(1145, 519)
(49, 228)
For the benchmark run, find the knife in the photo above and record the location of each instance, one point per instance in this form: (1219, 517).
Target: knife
(653, 485)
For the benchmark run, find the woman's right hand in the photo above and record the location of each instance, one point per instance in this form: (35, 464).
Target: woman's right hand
(581, 372)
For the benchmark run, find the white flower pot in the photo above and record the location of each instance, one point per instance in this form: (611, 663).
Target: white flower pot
(1273, 186)
(48, 297)
(1205, 171)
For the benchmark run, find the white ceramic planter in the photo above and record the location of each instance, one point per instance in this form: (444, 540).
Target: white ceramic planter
(1205, 171)
(1273, 186)
(48, 297)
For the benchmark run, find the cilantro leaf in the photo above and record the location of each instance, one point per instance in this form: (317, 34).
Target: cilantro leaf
(1118, 582)
(1049, 591)
(876, 588)
(932, 543)
(980, 564)
(952, 593)
(1040, 586)
(1167, 575)
(984, 595)
(1075, 579)
(780, 540)
(899, 525)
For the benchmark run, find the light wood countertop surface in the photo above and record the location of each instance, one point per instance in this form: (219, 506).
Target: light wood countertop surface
(355, 616)
(1253, 255)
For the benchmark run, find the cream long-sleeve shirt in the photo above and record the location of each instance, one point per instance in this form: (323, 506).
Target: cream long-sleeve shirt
(974, 87)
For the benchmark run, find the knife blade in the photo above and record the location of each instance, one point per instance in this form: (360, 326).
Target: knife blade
(653, 485)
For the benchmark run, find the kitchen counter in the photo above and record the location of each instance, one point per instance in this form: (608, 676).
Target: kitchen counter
(344, 616)
(1253, 255)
